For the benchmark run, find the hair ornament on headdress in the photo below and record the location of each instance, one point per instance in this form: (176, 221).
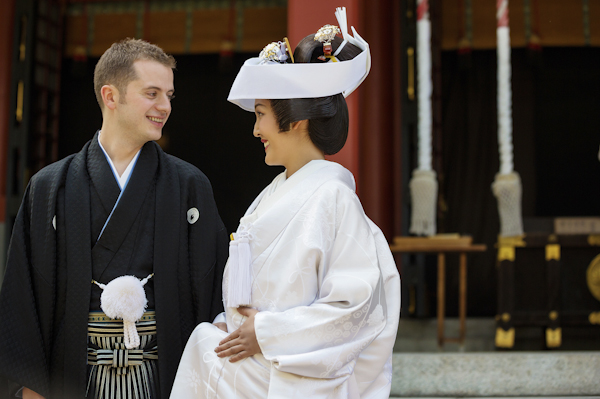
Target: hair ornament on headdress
(274, 52)
(326, 35)
(297, 80)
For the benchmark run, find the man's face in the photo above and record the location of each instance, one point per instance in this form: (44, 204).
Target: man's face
(145, 107)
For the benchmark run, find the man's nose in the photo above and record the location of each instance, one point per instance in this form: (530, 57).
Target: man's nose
(164, 105)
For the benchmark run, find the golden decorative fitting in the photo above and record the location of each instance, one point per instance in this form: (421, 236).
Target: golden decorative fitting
(593, 277)
(512, 241)
(23, 41)
(552, 238)
(410, 52)
(505, 339)
(506, 252)
(553, 337)
(20, 100)
(594, 239)
(552, 252)
(505, 317)
(553, 315)
(594, 318)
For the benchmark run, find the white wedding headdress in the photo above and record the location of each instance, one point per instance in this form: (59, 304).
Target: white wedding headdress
(265, 77)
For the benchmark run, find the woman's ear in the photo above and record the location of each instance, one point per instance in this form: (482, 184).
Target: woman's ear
(300, 125)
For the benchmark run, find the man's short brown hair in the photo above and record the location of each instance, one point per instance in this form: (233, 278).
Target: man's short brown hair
(115, 67)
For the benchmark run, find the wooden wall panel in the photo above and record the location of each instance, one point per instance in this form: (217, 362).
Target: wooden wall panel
(110, 28)
(263, 26)
(210, 28)
(76, 37)
(516, 15)
(452, 23)
(594, 22)
(167, 29)
(484, 24)
(561, 23)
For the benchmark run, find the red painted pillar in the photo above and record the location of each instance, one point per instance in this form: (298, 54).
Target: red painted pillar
(306, 17)
(6, 45)
(380, 113)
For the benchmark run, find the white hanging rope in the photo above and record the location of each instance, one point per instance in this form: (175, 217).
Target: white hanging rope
(504, 101)
(423, 184)
(424, 91)
(507, 185)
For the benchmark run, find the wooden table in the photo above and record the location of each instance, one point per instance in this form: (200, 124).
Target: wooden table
(442, 245)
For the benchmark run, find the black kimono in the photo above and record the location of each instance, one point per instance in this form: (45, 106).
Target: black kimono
(166, 222)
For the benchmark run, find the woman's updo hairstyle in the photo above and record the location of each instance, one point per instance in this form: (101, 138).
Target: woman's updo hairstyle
(327, 116)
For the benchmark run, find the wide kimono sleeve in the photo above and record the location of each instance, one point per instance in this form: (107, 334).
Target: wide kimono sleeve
(324, 339)
(22, 350)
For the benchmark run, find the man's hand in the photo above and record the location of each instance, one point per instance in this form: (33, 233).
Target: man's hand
(242, 342)
(221, 325)
(29, 394)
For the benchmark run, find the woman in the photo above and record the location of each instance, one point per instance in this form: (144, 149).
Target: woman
(311, 290)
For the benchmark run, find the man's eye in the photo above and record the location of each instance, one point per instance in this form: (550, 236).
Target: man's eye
(152, 94)
(171, 97)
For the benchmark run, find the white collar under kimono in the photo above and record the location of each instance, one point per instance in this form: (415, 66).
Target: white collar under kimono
(268, 215)
(124, 178)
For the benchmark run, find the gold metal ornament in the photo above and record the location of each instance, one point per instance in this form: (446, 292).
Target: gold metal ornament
(594, 318)
(504, 338)
(593, 277)
(506, 252)
(505, 317)
(552, 252)
(553, 315)
(594, 240)
(553, 337)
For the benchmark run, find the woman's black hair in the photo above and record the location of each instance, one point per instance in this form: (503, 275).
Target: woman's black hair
(327, 116)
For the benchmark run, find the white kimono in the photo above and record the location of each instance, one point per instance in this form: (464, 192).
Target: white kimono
(328, 292)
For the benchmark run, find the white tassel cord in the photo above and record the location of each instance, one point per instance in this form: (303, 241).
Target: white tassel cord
(239, 288)
(507, 185)
(423, 192)
(125, 298)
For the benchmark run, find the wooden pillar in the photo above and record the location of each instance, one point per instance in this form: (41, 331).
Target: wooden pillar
(6, 49)
(380, 112)
(307, 16)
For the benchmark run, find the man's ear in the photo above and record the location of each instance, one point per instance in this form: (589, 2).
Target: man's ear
(110, 96)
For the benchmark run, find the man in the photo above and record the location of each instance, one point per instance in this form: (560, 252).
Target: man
(120, 206)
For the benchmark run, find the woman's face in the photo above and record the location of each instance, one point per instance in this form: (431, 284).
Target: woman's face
(280, 147)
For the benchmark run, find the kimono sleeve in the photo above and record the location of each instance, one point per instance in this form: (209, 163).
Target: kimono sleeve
(22, 355)
(325, 338)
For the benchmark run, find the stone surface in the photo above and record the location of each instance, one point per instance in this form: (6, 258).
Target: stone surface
(486, 374)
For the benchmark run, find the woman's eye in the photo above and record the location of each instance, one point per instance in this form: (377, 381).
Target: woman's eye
(171, 97)
(152, 94)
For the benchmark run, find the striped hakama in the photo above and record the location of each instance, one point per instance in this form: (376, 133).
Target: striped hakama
(116, 372)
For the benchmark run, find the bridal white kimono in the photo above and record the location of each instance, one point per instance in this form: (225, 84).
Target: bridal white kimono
(328, 292)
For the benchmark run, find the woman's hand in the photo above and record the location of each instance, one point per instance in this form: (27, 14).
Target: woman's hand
(242, 342)
(29, 394)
